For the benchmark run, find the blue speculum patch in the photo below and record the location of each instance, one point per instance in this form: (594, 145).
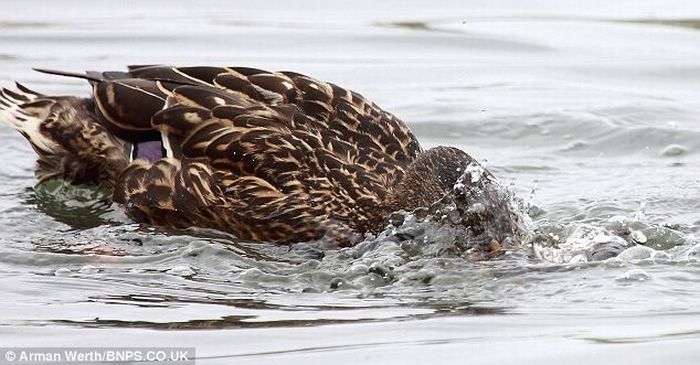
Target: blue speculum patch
(150, 151)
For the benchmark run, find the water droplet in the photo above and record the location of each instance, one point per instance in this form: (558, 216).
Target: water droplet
(62, 271)
(636, 253)
(694, 253)
(661, 255)
(358, 269)
(577, 259)
(638, 236)
(336, 283)
(634, 275)
(614, 262)
(89, 269)
(641, 212)
(575, 146)
(181, 271)
(674, 150)
(477, 208)
(475, 172)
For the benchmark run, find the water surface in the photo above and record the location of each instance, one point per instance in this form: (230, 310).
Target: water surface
(588, 112)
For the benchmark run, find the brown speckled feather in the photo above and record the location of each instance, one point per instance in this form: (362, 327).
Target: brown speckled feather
(270, 156)
(71, 144)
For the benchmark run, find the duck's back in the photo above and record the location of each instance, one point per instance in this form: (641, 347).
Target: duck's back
(274, 156)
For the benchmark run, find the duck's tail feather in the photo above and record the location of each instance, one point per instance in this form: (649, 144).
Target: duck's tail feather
(90, 76)
(24, 110)
(66, 136)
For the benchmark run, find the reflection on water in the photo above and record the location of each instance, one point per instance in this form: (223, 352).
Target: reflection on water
(589, 113)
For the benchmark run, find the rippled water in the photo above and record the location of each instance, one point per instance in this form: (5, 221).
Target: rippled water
(589, 112)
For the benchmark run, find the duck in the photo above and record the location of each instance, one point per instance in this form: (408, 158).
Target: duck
(277, 157)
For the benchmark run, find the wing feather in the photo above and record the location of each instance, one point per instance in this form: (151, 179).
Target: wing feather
(274, 156)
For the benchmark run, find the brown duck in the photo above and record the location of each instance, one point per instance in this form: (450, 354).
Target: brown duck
(267, 156)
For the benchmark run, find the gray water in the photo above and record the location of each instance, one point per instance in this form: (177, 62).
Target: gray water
(589, 113)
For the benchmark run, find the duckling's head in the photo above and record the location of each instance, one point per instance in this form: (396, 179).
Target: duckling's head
(448, 179)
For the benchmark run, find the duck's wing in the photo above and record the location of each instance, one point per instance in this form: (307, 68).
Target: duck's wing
(127, 101)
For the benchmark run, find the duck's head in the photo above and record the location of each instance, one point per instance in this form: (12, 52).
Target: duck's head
(448, 179)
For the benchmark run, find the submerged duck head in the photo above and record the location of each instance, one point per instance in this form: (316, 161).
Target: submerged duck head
(448, 182)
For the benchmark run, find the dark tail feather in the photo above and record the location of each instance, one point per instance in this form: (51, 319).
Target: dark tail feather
(90, 76)
(27, 90)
